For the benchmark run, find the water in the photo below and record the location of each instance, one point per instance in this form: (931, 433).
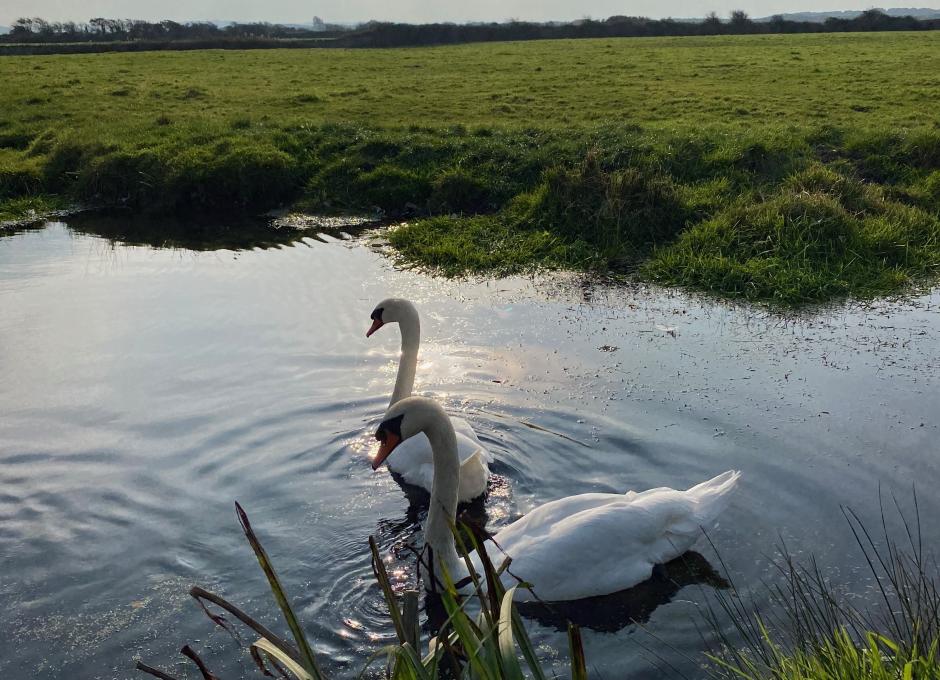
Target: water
(146, 389)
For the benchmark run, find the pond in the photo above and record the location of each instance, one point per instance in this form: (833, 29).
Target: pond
(145, 389)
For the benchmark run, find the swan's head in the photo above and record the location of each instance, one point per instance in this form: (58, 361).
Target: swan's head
(391, 310)
(405, 419)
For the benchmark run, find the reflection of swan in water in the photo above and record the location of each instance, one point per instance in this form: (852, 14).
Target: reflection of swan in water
(414, 463)
(569, 549)
(607, 613)
(610, 613)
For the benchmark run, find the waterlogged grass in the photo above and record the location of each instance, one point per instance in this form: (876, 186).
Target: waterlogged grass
(27, 208)
(815, 234)
(814, 629)
(785, 168)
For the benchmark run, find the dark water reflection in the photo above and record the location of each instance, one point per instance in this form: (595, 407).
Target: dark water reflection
(204, 234)
(613, 612)
(144, 390)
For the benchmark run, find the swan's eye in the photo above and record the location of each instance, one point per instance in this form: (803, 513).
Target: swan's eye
(377, 314)
(380, 435)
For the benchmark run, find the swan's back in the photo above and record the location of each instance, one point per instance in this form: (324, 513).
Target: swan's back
(600, 543)
(412, 460)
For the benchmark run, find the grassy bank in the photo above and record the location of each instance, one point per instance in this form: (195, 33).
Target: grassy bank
(791, 168)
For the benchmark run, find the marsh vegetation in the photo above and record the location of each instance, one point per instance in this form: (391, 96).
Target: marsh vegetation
(788, 168)
(812, 631)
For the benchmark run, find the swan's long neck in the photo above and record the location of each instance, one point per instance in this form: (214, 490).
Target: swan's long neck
(407, 365)
(442, 513)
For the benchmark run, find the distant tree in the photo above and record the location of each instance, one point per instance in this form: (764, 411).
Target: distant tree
(872, 20)
(741, 22)
(22, 28)
(712, 24)
(41, 27)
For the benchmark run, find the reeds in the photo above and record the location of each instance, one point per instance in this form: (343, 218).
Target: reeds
(811, 631)
(491, 644)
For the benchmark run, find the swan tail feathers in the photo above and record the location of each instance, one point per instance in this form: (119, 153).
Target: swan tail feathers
(713, 496)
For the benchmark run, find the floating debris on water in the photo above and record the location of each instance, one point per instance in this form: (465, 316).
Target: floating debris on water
(303, 221)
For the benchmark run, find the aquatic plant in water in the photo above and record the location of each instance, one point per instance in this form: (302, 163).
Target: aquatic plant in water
(482, 646)
(811, 632)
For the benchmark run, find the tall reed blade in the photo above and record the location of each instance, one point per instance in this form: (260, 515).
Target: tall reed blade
(576, 649)
(200, 594)
(381, 575)
(409, 615)
(507, 645)
(190, 653)
(150, 670)
(308, 660)
(266, 647)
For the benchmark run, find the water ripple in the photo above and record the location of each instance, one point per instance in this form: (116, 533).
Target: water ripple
(152, 388)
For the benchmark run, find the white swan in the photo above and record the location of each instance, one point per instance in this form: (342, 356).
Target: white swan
(414, 461)
(576, 547)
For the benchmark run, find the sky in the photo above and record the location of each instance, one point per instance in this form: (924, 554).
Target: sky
(413, 11)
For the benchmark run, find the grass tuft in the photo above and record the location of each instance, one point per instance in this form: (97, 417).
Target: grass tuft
(820, 236)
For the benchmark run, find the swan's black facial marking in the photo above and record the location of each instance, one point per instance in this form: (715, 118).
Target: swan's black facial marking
(377, 322)
(389, 436)
(390, 426)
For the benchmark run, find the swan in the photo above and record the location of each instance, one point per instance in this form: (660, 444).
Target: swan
(576, 547)
(414, 461)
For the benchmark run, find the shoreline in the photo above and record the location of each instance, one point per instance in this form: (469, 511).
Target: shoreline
(698, 175)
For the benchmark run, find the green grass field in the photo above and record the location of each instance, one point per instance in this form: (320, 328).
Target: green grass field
(792, 168)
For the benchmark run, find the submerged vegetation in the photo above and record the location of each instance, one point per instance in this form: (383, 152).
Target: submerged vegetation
(784, 168)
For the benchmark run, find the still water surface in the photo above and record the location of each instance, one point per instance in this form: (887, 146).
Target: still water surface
(145, 389)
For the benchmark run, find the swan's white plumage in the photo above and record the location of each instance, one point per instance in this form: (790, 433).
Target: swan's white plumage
(600, 543)
(413, 459)
(572, 548)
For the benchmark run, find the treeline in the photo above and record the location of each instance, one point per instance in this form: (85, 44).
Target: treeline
(126, 34)
(395, 35)
(36, 29)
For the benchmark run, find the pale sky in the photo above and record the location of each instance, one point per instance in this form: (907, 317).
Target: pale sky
(413, 11)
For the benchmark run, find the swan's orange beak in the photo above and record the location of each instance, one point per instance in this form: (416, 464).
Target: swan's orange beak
(376, 325)
(387, 445)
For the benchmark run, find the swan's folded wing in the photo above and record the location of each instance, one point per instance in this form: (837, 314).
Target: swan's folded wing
(468, 448)
(596, 544)
(412, 461)
(464, 430)
(474, 477)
